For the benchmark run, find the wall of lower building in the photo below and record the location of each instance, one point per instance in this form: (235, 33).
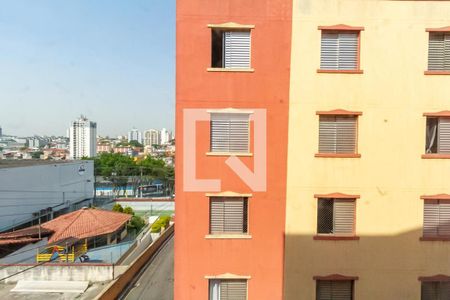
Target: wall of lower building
(390, 176)
(29, 189)
(259, 257)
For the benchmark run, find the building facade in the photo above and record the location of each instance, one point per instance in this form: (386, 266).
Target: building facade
(33, 189)
(368, 163)
(356, 150)
(164, 136)
(232, 102)
(83, 138)
(135, 135)
(152, 137)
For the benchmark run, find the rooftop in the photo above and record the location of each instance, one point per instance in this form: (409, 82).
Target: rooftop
(84, 223)
(13, 163)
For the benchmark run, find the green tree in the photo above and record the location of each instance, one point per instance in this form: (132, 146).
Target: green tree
(117, 208)
(135, 144)
(37, 154)
(136, 223)
(128, 210)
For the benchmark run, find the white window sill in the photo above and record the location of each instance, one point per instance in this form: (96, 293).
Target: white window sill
(228, 236)
(248, 70)
(228, 154)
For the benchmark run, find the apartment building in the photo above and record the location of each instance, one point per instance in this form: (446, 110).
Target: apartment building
(233, 60)
(368, 165)
(83, 138)
(357, 106)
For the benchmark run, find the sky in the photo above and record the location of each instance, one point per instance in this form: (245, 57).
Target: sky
(110, 60)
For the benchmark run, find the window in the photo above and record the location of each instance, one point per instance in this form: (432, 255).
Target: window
(436, 218)
(228, 215)
(340, 49)
(230, 132)
(230, 49)
(439, 52)
(336, 216)
(334, 289)
(438, 135)
(338, 134)
(227, 289)
(435, 290)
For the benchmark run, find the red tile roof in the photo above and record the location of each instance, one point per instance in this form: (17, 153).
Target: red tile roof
(16, 241)
(29, 232)
(84, 223)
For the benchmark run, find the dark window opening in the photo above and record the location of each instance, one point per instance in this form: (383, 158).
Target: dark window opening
(325, 216)
(431, 136)
(217, 48)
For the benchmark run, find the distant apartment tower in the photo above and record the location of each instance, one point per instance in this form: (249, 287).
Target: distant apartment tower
(82, 134)
(1, 133)
(152, 137)
(165, 136)
(135, 135)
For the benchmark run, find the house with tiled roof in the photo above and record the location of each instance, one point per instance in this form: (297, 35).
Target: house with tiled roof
(90, 226)
(89, 223)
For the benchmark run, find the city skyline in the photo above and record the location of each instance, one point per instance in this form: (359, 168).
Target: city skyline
(107, 67)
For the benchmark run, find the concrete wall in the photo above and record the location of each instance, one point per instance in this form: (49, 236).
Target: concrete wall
(390, 176)
(25, 190)
(148, 205)
(79, 272)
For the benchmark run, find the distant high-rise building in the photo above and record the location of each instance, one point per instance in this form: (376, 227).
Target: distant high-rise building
(1, 133)
(135, 135)
(152, 137)
(165, 136)
(83, 134)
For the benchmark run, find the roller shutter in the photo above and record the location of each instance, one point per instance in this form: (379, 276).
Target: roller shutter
(230, 133)
(236, 49)
(339, 51)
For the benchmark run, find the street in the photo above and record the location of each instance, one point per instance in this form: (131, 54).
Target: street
(156, 282)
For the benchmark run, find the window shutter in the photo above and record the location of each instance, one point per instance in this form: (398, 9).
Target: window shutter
(217, 216)
(447, 52)
(324, 290)
(236, 49)
(233, 290)
(327, 134)
(348, 51)
(339, 51)
(334, 290)
(344, 214)
(228, 215)
(234, 215)
(431, 218)
(444, 218)
(435, 290)
(346, 134)
(329, 51)
(230, 133)
(337, 134)
(429, 291)
(342, 290)
(439, 52)
(444, 135)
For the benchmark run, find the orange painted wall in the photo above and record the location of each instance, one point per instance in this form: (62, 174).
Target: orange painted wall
(260, 257)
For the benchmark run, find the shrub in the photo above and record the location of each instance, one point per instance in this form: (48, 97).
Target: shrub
(128, 210)
(136, 223)
(117, 207)
(162, 221)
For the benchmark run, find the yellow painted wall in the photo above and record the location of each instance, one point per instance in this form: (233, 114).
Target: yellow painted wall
(390, 176)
